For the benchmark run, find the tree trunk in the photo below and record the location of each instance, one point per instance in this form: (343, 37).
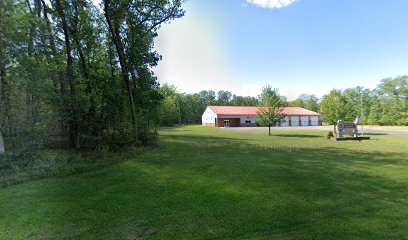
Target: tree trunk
(58, 80)
(5, 96)
(123, 65)
(269, 130)
(56, 74)
(75, 30)
(74, 134)
(31, 99)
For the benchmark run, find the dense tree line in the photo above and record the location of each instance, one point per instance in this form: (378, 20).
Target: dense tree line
(182, 108)
(387, 104)
(76, 75)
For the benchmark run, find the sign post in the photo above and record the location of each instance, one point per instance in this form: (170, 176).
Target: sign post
(349, 128)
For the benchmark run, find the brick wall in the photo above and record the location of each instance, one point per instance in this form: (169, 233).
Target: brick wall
(233, 122)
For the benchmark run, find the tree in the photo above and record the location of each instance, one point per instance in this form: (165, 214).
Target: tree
(334, 107)
(297, 103)
(133, 26)
(307, 101)
(390, 102)
(169, 112)
(271, 111)
(74, 77)
(224, 97)
(357, 98)
(243, 101)
(208, 97)
(74, 134)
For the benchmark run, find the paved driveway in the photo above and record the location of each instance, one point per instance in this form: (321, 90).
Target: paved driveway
(325, 128)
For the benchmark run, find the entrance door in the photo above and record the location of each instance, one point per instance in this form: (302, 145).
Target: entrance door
(226, 123)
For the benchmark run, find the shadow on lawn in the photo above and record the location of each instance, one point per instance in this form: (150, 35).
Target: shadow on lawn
(306, 192)
(218, 187)
(298, 135)
(375, 134)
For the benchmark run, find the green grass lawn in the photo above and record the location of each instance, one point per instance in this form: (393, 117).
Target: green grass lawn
(207, 183)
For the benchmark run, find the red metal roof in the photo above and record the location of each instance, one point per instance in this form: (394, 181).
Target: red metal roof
(252, 111)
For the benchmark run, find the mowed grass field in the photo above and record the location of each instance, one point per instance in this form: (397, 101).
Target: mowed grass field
(207, 183)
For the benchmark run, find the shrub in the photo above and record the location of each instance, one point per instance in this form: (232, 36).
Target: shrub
(330, 135)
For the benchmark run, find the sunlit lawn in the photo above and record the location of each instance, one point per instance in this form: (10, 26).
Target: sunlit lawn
(206, 183)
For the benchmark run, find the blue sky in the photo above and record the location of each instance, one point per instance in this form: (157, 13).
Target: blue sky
(298, 46)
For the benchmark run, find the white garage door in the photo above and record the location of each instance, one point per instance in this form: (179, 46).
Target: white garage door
(304, 120)
(294, 121)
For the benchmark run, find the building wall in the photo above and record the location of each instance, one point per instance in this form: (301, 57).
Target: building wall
(304, 120)
(294, 121)
(208, 118)
(248, 124)
(247, 120)
(314, 120)
(286, 122)
(244, 121)
(233, 122)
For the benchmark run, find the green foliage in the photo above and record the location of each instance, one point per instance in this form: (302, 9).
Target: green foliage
(385, 105)
(243, 101)
(334, 107)
(169, 111)
(297, 103)
(389, 104)
(330, 135)
(62, 74)
(224, 98)
(271, 111)
(182, 108)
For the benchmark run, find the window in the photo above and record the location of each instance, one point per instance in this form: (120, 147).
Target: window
(247, 121)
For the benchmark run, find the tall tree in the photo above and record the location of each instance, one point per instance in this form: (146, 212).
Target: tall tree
(133, 26)
(74, 128)
(223, 97)
(334, 107)
(389, 102)
(312, 103)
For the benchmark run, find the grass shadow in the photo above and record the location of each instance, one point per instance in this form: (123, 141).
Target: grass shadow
(206, 187)
(299, 135)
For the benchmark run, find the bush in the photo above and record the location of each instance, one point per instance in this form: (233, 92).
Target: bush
(330, 135)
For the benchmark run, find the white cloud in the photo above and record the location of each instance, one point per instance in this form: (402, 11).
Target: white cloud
(271, 3)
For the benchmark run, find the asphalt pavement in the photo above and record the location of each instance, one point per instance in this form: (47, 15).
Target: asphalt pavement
(369, 130)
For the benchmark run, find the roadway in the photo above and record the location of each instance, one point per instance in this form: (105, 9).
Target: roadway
(366, 129)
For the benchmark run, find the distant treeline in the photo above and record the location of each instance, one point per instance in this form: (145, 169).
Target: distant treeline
(387, 104)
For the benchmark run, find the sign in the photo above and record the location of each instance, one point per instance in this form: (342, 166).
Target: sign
(347, 128)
